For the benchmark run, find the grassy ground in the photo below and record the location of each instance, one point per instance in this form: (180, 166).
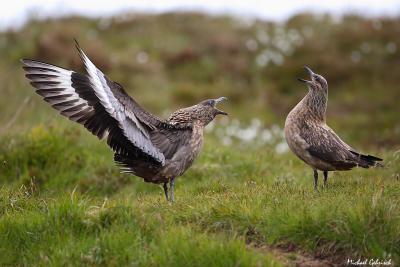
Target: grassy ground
(62, 202)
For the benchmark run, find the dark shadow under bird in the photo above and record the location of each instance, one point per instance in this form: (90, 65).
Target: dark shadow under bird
(144, 145)
(313, 141)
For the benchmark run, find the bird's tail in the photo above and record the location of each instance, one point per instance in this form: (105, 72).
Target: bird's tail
(367, 161)
(139, 167)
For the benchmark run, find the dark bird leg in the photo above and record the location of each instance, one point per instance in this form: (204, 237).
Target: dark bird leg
(166, 190)
(171, 188)
(315, 180)
(325, 178)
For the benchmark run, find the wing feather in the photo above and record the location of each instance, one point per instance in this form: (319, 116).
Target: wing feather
(327, 146)
(74, 96)
(132, 129)
(106, 110)
(54, 84)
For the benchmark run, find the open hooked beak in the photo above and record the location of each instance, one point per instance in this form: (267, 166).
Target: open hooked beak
(310, 72)
(218, 100)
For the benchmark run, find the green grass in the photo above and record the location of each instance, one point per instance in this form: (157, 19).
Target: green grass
(63, 202)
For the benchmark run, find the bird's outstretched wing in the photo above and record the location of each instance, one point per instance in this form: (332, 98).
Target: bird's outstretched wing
(101, 105)
(323, 143)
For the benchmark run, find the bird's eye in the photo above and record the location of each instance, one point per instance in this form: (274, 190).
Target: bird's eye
(318, 79)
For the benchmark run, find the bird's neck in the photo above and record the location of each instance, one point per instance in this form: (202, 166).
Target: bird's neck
(316, 104)
(197, 136)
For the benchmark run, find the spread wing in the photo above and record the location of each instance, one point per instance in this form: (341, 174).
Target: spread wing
(99, 104)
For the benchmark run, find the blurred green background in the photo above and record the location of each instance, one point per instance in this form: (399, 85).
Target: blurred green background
(173, 60)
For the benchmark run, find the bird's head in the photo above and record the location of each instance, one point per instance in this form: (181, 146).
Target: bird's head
(207, 110)
(204, 112)
(317, 82)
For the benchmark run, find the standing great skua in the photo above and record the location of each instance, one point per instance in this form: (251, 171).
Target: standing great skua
(144, 145)
(313, 141)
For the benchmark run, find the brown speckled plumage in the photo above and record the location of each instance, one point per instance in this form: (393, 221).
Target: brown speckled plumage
(313, 141)
(144, 145)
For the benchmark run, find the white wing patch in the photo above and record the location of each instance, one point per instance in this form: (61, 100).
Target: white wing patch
(125, 117)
